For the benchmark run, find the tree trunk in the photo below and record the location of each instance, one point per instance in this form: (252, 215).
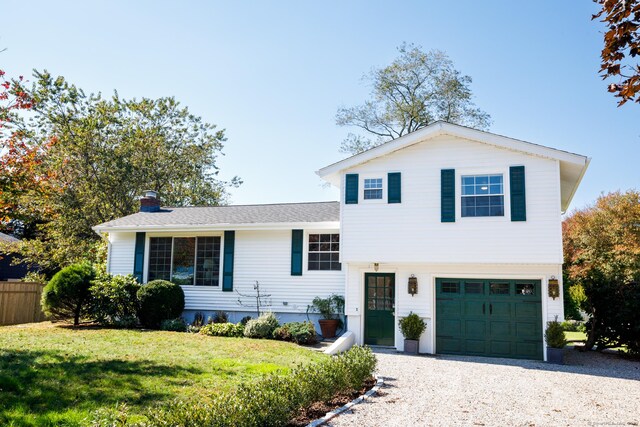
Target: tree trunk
(76, 315)
(591, 334)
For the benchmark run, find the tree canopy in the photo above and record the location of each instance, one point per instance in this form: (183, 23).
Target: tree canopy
(92, 157)
(415, 90)
(621, 47)
(602, 255)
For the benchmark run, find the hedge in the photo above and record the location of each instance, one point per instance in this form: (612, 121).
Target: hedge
(223, 330)
(297, 332)
(270, 401)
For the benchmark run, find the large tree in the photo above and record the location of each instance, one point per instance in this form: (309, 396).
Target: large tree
(621, 47)
(602, 254)
(99, 154)
(415, 90)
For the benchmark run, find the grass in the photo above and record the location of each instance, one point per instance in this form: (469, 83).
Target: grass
(575, 336)
(58, 376)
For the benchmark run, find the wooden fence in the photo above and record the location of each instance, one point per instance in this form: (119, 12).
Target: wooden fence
(20, 303)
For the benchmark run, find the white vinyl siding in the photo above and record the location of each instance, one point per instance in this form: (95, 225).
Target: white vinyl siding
(265, 256)
(260, 255)
(412, 231)
(423, 302)
(122, 246)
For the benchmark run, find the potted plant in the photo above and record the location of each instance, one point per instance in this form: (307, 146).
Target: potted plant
(556, 340)
(330, 309)
(412, 328)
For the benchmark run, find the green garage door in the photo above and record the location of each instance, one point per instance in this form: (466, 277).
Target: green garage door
(486, 317)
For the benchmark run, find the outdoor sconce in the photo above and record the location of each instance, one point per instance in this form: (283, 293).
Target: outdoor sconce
(554, 287)
(376, 266)
(413, 285)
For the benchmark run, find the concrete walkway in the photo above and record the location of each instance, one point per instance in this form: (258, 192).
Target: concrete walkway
(591, 390)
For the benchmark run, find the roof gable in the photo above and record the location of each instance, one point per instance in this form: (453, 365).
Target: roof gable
(572, 166)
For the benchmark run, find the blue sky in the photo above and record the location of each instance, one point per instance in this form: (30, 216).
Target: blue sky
(273, 74)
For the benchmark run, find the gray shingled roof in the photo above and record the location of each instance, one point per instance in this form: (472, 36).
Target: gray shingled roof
(239, 214)
(7, 238)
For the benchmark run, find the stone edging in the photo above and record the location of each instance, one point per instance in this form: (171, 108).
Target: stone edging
(340, 410)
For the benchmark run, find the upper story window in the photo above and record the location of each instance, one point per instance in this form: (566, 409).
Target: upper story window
(482, 195)
(324, 252)
(372, 188)
(185, 260)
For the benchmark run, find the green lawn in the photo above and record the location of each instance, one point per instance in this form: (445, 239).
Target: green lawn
(575, 336)
(53, 375)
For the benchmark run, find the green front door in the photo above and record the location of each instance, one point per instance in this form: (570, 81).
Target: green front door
(486, 317)
(379, 319)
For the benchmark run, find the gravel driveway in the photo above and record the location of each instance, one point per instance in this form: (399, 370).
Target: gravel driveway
(591, 390)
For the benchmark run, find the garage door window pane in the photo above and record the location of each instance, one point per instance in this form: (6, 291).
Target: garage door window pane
(499, 288)
(525, 289)
(473, 288)
(450, 288)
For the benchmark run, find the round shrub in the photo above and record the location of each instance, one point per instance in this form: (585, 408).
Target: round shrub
(262, 327)
(412, 326)
(159, 300)
(67, 293)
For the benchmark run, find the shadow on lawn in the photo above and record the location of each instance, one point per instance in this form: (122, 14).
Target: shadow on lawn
(54, 381)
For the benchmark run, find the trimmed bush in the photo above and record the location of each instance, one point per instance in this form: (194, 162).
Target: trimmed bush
(554, 335)
(275, 399)
(262, 327)
(223, 330)
(159, 300)
(245, 319)
(67, 293)
(297, 332)
(114, 300)
(174, 325)
(412, 326)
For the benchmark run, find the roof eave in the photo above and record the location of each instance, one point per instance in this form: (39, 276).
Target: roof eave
(319, 225)
(330, 172)
(565, 205)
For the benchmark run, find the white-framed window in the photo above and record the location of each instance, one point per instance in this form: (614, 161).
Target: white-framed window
(372, 188)
(482, 195)
(185, 260)
(324, 252)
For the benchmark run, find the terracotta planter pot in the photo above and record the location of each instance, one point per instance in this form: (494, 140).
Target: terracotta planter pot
(411, 346)
(555, 355)
(328, 327)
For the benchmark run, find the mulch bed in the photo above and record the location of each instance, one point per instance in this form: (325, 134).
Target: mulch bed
(320, 409)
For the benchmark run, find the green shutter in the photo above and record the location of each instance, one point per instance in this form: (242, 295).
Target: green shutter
(296, 252)
(351, 189)
(448, 195)
(518, 197)
(138, 256)
(394, 182)
(227, 270)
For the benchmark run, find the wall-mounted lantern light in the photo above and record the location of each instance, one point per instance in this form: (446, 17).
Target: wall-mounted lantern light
(376, 266)
(413, 285)
(554, 287)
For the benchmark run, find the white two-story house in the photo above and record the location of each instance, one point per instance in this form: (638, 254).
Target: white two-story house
(460, 226)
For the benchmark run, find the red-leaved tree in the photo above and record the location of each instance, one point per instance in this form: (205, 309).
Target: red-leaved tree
(621, 47)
